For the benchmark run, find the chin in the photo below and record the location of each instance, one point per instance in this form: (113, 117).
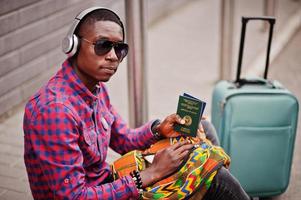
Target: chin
(104, 79)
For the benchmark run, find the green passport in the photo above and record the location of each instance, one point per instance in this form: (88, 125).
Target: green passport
(191, 110)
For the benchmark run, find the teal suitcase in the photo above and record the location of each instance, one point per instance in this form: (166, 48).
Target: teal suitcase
(256, 122)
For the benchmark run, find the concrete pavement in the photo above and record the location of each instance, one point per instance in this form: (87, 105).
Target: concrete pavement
(182, 58)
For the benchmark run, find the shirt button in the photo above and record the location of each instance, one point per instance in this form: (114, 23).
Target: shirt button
(104, 123)
(66, 180)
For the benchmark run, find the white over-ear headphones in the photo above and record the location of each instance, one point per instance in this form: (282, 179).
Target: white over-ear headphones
(71, 41)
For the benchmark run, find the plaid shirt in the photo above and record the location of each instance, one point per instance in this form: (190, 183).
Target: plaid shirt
(67, 133)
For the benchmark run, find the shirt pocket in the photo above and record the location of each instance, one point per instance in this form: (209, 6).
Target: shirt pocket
(90, 136)
(106, 121)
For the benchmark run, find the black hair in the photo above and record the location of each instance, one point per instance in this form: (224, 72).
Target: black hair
(101, 14)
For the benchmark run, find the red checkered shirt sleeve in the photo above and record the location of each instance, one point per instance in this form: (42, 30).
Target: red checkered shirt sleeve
(53, 136)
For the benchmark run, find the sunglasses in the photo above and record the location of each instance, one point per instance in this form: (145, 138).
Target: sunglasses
(103, 46)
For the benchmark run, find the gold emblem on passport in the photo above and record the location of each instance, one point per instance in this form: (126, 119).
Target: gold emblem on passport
(188, 120)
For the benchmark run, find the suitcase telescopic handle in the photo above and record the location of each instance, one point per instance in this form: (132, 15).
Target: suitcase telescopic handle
(271, 21)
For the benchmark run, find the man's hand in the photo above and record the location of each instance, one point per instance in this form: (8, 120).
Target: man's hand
(201, 132)
(165, 128)
(165, 162)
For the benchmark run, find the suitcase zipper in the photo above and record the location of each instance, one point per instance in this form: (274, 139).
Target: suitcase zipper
(224, 101)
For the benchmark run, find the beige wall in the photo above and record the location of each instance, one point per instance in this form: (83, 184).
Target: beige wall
(30, 36)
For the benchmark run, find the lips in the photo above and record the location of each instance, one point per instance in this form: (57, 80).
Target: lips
(108, 70)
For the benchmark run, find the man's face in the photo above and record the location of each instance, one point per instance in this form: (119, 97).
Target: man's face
(93, 68)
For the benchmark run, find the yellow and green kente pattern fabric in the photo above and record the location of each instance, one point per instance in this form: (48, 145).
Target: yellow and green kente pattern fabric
(193, 178)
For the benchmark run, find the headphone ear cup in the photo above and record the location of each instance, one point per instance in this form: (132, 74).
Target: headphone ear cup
(75, 46)
(67, 44)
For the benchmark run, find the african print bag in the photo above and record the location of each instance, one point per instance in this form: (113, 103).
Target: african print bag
(193, 178)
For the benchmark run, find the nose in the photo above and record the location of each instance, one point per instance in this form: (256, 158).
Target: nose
(111, 55)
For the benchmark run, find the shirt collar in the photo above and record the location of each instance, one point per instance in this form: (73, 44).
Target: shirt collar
(75, 83)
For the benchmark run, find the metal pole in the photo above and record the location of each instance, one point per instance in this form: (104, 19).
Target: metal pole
(135, 23)
(226, 41)
(269, 9)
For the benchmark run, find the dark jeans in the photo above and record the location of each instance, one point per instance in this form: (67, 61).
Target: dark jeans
(224, 186)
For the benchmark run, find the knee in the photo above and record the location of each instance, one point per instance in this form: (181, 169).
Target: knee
(224, 177)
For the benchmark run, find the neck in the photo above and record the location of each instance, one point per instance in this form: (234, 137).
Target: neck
(88, 82)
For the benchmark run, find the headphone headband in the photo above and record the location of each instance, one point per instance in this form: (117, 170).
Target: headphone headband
(70, 41)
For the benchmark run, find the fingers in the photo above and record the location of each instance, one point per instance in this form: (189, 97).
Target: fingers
(183, 148)
(175, 118)
(179, 120)
(180, 149)
(183, 151)
(201, 132)
(174, 134)
(201, 129)
(183, 154)
(169, 159)
(178, 144)
(166, 128)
